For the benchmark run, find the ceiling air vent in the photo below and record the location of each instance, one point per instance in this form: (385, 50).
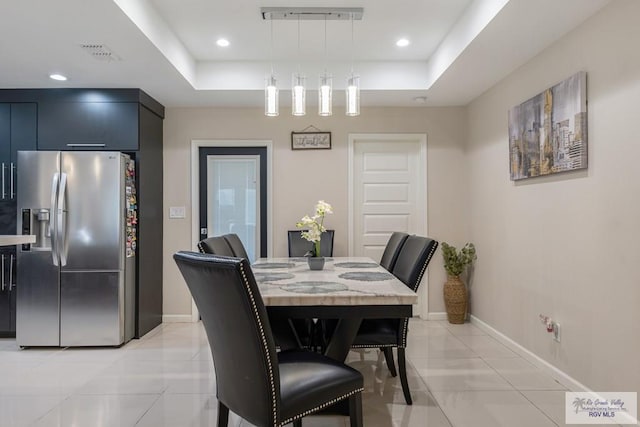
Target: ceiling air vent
(99, 51)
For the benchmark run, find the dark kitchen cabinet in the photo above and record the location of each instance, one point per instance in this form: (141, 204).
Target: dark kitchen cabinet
(88, 126)
(18, 131)
(126, 120)
(5, 131)
(149, 260)
(7, 292)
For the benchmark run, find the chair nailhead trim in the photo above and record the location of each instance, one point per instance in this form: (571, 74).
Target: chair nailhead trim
(324, 405)
(405, 327)
(264, 344)
(373, 346)
(424, 267)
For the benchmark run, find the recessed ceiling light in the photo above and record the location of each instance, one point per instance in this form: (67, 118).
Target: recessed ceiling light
(58, 77)
(402, 43)
(420, 99)
(222, 42)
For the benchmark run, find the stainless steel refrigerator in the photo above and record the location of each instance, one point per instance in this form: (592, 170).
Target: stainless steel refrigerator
(76, 283)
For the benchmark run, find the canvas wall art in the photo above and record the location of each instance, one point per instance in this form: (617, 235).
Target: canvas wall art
(548, 133)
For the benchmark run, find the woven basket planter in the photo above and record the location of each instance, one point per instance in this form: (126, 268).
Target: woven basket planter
(455, 299)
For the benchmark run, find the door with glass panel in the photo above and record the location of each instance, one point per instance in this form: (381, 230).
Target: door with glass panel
(232, 191)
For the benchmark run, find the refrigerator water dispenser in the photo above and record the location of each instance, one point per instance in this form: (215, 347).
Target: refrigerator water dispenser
(37, 222)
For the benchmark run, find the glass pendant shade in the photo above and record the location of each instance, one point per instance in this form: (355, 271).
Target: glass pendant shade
(298, 95)
(324, 95)
(353, 96)
(271, 107)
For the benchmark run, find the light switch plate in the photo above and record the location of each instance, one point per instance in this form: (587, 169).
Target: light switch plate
(176, 212)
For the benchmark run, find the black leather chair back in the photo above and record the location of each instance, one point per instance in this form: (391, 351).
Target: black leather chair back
(299, 246)
(237, 326)
(215, 245)
(392, 250)
(236, 246)
(411, 263)
(413, 259)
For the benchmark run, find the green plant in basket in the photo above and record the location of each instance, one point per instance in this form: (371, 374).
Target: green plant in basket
(456, 295)
(456, 261)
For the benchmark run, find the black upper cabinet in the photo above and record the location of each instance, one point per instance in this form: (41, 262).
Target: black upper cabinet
(5, 131)
(88, 126)
(18, 131)
(24, 128)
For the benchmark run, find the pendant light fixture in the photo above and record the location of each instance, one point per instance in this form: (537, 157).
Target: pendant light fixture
(324, 91)
(353, 96)
(298, 90)
(271, 95)
(298, 82)
(352, 93)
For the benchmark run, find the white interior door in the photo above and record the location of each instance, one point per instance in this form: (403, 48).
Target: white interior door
(388, 193)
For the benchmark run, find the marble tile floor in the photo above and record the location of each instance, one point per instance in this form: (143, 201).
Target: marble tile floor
(459, 377)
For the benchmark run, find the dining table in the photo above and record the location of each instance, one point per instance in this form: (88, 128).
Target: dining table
(348, 289)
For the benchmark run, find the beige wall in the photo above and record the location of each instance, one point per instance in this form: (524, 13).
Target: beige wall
(568, 245)
(301, 178)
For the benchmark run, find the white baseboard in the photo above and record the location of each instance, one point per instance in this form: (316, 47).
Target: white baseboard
(560, 376)
(437, 316)
(176, 318)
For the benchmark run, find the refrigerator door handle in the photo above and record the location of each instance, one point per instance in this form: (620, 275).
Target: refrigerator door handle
(61, 220)
(52, 219)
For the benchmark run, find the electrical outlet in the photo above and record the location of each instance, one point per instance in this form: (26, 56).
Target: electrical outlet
(556, 331)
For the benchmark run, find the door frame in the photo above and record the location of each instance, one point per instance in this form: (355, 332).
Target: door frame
(420, 138)
(196, 144)
(257, 153)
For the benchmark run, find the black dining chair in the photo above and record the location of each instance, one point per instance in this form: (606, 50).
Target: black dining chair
(299, 247)
(215, 245)
(410, 266)
(236, 246)
(290, 333)
(388, 260)
(266, 388)
(392, 250)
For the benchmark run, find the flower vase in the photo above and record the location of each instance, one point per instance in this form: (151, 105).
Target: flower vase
(315, 262)
(455, 299)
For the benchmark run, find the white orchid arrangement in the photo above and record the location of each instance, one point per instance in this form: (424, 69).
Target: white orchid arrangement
(315, 226)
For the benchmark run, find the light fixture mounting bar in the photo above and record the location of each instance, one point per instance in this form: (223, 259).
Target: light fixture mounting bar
(312, 13)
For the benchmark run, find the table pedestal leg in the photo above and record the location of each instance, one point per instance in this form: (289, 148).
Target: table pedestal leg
(342, 338)
(284, 333)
